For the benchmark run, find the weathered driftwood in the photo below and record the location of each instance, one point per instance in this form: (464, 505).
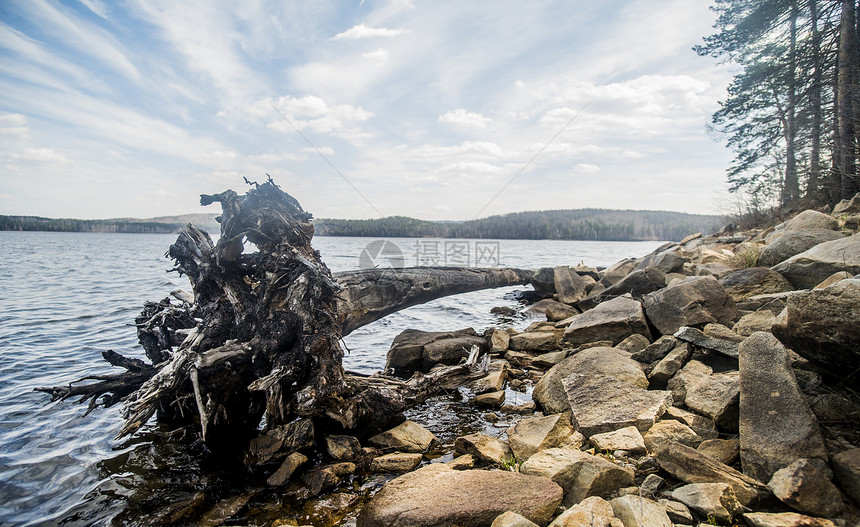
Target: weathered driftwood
(260, 335)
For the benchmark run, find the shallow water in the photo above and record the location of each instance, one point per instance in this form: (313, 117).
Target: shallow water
(66, 297)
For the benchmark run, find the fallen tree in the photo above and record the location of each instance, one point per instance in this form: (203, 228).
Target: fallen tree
(260, 336)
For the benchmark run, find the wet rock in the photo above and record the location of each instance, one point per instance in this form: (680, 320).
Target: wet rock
(538, 433)
(752, 322)
(408, 436)
(468, 498)
(396, 462)
(580, 475)
(776, 425)
(325, 477)
(846, 468)
(811, 220)
(671, 430)
(342, 447)
(717, 396)
(635, 511)
(692, 466)
(697, 300)
(723, 450)
(280, 442)
(636, 284)
(512, 519)
(287, 469)
(793, 243)
(549, 392)
(711, 500)
(811, 267)
(483, 447)
(518, 358)
(823, 325)
(225, 509)
(490, 400)
(590, 512)
(784, 519)
(534, 341)
(628, 439)
(656, 351)
(494, 381)
(744, 283)
(694, 336)
(802, 487)
(569, 286)
(601, 403)
(413, 350)
(669, 365)
(634, 343)
(519, 409)
(613, 320)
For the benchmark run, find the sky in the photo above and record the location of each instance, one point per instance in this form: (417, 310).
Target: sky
(439, 110)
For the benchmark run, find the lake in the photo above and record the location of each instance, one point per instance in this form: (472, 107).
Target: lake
(66, 297)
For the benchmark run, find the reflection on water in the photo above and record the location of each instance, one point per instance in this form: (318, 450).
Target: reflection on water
(66, 297)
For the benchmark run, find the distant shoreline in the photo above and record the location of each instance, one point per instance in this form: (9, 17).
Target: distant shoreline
(581, 224)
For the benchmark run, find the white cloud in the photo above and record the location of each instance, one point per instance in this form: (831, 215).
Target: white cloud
(315, 113)
(586, 168)
(272, 158)
(473, 167)
(363, 31)
(380, 55)
(96, 6)
(461, 117)
(326, 150)
(40, 155)
(12, 119)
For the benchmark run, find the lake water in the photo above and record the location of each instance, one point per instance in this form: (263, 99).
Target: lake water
(66, 297)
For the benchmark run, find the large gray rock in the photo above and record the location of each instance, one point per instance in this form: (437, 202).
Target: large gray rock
(655, 351)
(823, 325)
(579, 474)
(667, 261)
(811, 220)
(811, 267)
(590, 512)
(635, 511)
(569, 286)
(413, 350)
(697, 337)
(636, 284)
(710, 500)
(469, 498)
(538, 433)
(601, 403)
(669, 365)
(612, 320)
(846, 468)
(549, 392)
(792, 243)
(744, 283)
(784, 519)
(776, 425)
(694, 301)
(534, 341)
(692, 466)
(717, 397)
(617, 271)
(408, 436)
(802, 487)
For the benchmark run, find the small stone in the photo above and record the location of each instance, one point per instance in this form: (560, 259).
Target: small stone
(483, 447)
(651, 484)
(287, 468)
(512, 519)
(669, 365)
(627, 438)
(499, 341)
(802, 487)
(634, 343)
(342, 447)
(537, 433)
(464, 462)
(784, 519)
(677, 512)
(396, 462)
(846, 468)
(670, 430)
(703, 426)
(548, 360)
(590, 512)
(491, 400)
(408, 436)
(493, 381)
(534, 341)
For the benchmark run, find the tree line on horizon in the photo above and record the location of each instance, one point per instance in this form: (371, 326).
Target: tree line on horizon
(582, 224)
(792, 114)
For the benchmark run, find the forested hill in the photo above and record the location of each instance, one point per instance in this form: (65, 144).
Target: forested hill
(164, 225)
(581, 224)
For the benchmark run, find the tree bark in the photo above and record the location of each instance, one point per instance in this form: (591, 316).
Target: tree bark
(813, 191)
(846, 93)
(790, 189)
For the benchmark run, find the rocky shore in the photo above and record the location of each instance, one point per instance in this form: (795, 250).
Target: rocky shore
(712, 382)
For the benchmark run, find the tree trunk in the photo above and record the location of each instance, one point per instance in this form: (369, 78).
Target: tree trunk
(813, 191)
(846, 93)
(790, 189)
